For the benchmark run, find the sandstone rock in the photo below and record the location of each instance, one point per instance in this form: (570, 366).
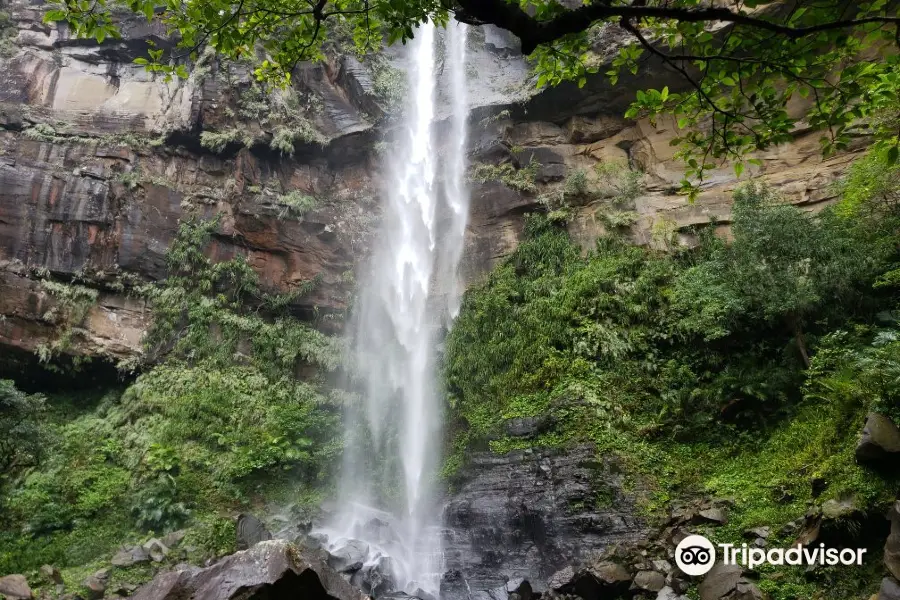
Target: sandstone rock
(131, 556)
(650, 581)
(250, 531)
(51, 574)
(720, 581)
(270, 569)
(880, 440)
(584, 130)
(892, 546)
(15, 587)
(890, 589)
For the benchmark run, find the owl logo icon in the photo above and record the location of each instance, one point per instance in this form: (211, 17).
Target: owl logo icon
(695, 555)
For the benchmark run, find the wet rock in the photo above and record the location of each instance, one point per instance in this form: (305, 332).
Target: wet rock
(880, 440)
(892, 546)
(51, 574)
(346, 558)
(562, 580)
(15, 587)
(528, 426)
(650, 581)
(890, 589)
(131, 556)
(514, 516)
(250, 531)
(520, 587)
(720, 581)
(270, 569)
(377, 579)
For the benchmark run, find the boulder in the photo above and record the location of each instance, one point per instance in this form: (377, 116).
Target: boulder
(890, 589)
(520, 587)
(892, 546)
(880, 440)
(377, 579)
(14, 587)
(270, 569)
(714, 515)
(562, 579)
(668, 593)
(651, 581)
(171, 540)
(52, 574)
(155, 549)
(611, 575)
(130, 556)
(720, 581)
(250, 531)
(349, 557)
(96, 584)
(746, 590)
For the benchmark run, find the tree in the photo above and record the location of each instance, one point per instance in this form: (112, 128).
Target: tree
(782, 267)
(741, 64)
(22, 437)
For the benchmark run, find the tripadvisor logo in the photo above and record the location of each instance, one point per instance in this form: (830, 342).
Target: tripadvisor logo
(696, 555)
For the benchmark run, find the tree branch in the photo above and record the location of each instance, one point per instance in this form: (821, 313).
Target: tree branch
(533, 32)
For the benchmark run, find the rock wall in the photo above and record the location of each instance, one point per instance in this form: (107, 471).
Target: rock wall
(528, 514)
(99, 161)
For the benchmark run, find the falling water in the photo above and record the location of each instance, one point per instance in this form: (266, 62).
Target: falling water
(393, 441)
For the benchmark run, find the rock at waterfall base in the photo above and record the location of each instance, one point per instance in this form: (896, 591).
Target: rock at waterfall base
(270, 569)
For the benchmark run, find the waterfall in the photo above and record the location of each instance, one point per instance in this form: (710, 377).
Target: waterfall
(393, 438)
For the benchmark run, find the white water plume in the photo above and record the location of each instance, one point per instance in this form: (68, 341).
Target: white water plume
(393, 442)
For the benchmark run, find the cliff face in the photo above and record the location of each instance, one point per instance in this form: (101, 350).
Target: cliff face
(99, 161)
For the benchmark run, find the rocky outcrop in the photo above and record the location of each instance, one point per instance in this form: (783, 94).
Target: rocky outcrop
(100, 160)
(528, 514)
(880, 440)
(273, 570)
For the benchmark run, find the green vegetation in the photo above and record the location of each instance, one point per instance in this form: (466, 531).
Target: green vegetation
(8, 32)
(73, 302)
(742, 369)
(218, 420)
(297, 204)
(388, 82)
(521, 179)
